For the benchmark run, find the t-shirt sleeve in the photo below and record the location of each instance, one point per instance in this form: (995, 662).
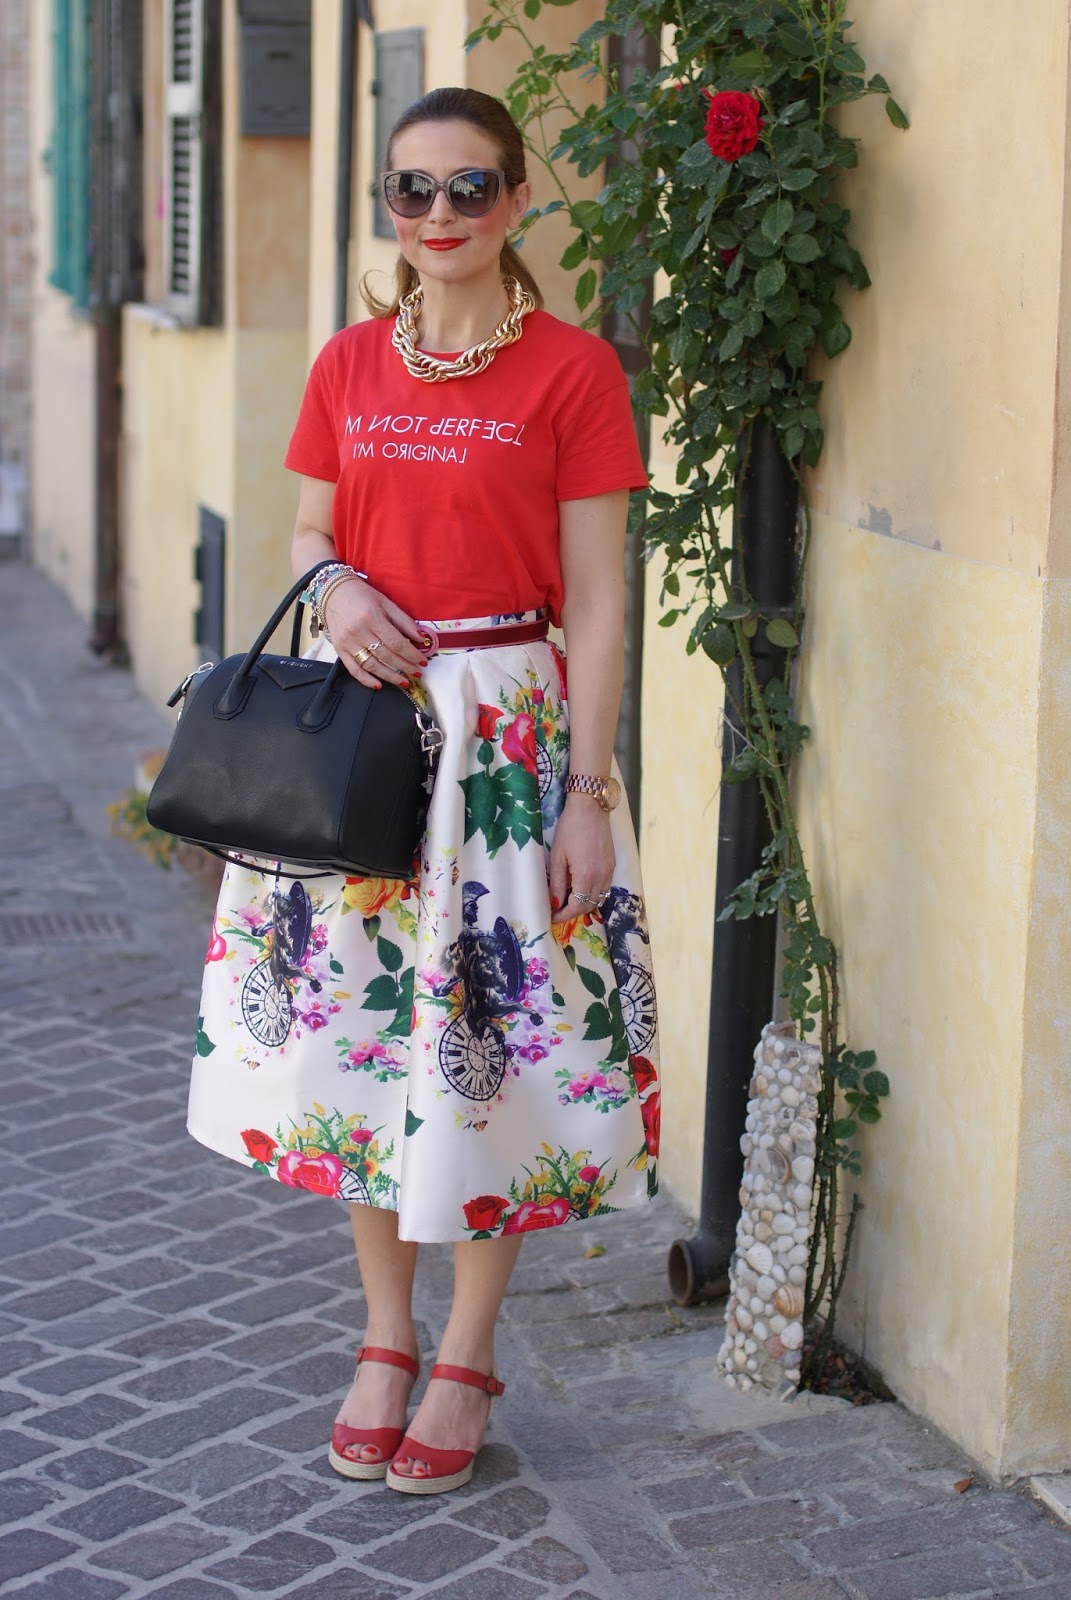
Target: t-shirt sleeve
(597, 447)
(313, 448)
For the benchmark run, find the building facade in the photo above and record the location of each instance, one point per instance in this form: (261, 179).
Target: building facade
(936, 673)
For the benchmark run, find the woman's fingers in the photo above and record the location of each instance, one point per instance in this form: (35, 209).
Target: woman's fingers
(406, 626)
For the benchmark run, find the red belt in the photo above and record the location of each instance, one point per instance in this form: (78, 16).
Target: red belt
(484, 638)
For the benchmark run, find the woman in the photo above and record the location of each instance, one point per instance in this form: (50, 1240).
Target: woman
(468, 1056)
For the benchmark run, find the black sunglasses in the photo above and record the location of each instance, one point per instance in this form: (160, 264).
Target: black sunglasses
(471, 194)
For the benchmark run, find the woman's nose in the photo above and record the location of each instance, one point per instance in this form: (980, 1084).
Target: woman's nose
(441, 209)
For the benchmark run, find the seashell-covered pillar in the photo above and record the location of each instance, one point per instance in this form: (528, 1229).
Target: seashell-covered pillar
(764, 1316)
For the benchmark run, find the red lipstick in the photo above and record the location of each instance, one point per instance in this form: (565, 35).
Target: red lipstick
(443, 244)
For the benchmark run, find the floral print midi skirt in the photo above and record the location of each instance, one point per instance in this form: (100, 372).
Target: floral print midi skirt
(437, 1047)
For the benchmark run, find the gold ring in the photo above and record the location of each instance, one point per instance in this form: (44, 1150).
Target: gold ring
(362, 656)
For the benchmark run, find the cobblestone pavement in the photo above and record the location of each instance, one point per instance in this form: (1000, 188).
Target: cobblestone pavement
(175, 1332)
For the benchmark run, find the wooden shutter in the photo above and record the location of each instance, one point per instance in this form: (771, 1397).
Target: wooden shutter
(116, 155)
(184, 77)
(69, 153)
(193, 213)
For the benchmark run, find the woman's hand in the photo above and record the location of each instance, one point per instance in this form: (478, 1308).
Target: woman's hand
(375, 639)
(582, 858)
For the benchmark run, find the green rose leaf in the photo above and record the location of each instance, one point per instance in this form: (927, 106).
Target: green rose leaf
(770, 279)
(797, 178)
(896, 114)
(585, 289)
(781, 633)
(877, 1084)
(574, 254)
(719, 643)
(844, 1128)
(732, 344)
(803, 247)
(777, 219)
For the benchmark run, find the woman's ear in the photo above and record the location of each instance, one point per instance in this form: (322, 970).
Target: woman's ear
(520, 202)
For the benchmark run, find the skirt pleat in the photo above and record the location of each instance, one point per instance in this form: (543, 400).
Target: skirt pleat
(437, 1047)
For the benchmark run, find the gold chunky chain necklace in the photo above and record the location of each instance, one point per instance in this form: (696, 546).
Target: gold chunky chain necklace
(478, 357)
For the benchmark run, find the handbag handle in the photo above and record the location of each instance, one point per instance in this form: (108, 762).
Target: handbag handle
(233, 697)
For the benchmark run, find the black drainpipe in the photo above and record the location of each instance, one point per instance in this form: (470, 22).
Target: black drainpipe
(743, 968)
(347, 72)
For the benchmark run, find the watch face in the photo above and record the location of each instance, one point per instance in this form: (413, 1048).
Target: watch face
(611, 793)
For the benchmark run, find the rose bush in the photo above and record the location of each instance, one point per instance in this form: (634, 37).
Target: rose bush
(718, 237)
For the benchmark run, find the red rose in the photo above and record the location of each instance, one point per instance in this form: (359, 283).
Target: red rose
(360, 1136)
(519, 742)
(535, 1214)
(589, 1174)
(485, 1212)
(651, 1108)
(733, 124)
(487, 721)
(729, 256)
(260, 1145)
(320, 1174)
(559, 662)
(643, 1072)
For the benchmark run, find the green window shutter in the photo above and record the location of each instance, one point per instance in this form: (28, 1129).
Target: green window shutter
(70, 149)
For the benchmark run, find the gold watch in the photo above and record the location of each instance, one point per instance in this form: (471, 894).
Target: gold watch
(607, 791)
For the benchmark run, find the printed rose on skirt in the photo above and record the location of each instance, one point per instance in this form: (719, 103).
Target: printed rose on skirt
(261, 1146)
(536, 1214)
(487, 721)
(485, 1212)
(643, 1072)
(519, 742)
(733, 124)
(370, 895)
(652, 1122)
(320, 1174)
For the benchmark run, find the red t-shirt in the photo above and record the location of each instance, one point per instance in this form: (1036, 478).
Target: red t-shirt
(447, 493)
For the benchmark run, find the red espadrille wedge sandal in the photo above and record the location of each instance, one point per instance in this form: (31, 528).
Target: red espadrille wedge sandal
(446, 1469)
(347, 1444)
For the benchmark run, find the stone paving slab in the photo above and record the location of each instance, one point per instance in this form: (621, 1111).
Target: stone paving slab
(175, 1331)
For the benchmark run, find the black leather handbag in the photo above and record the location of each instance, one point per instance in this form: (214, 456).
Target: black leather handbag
(293, 759)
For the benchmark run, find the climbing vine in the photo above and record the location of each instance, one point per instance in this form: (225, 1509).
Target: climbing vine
(726, 200)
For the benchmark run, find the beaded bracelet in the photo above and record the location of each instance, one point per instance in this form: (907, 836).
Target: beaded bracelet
(315, 592)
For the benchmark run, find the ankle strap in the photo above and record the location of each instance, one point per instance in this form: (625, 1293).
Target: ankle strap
(389, 1358)
(487, 1381)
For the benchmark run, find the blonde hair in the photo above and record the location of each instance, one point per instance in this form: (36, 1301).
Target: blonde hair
(490, 116)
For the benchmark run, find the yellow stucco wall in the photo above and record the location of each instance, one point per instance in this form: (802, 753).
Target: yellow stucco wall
(64, 403)
(176, 454)
(937, 680)
(208, 411)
